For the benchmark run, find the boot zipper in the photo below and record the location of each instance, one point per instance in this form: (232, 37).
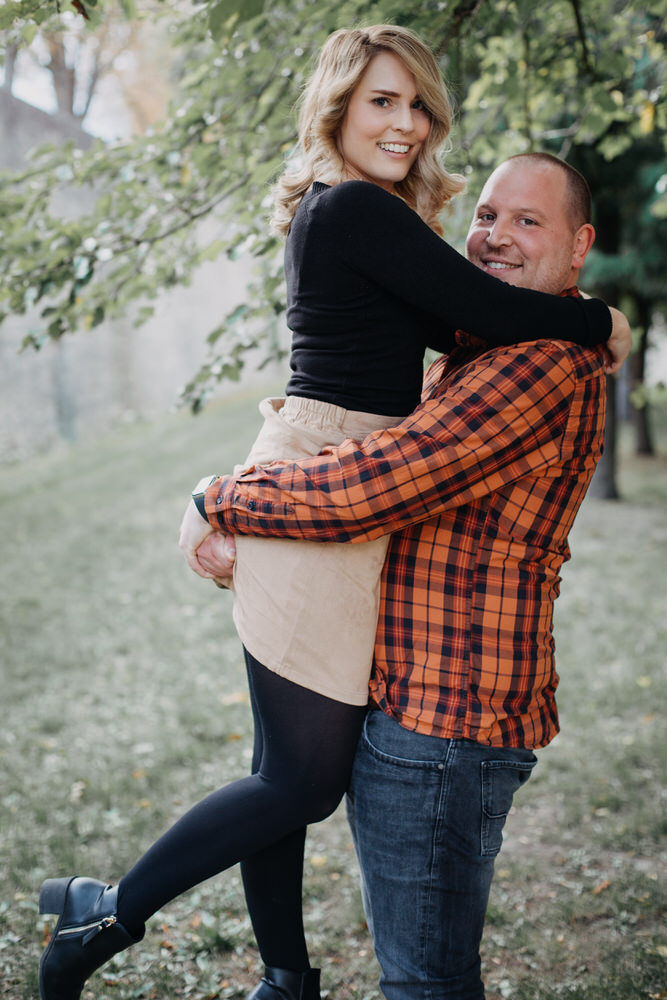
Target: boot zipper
(93, 928)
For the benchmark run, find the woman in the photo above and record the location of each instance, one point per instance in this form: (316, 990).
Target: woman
(370, 285)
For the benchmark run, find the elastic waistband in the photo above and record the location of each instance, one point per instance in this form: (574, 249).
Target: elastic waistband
(316, 411)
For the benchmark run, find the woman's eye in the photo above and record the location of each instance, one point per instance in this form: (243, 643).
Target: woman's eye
(419, 105)
(382, 102)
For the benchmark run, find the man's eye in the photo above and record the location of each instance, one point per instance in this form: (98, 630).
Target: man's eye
(487, 217)
(527, 222)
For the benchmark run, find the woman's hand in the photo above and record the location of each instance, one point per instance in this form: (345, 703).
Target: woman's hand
(618, 346)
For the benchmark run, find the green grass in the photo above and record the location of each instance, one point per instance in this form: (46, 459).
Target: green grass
(124, 702)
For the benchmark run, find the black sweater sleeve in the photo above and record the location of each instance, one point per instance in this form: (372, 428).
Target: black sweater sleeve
(381, 237)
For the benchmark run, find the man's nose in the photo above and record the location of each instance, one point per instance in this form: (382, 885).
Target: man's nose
(498, 234)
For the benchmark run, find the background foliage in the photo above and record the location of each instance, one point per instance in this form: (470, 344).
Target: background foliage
(583, 78)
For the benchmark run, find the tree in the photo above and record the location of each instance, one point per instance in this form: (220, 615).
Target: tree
(630, 260)
(78, 58)
(564, 75)
(586, 83)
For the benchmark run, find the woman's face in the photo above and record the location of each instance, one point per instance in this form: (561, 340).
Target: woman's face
(385, 124)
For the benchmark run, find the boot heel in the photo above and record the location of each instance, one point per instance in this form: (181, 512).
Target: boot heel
(52, 895)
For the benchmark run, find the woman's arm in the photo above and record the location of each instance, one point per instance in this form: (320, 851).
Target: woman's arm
(379, 236)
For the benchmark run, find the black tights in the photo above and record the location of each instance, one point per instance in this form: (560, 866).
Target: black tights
(304, 747)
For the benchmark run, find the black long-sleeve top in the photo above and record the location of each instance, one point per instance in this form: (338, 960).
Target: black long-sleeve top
(370, 286)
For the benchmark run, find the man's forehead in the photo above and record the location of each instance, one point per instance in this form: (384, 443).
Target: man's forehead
(524, 186)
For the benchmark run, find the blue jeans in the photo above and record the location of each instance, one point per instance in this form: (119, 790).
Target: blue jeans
(427, 816)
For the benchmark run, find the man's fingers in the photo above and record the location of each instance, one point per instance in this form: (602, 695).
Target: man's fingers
(193, 561)
(217, 553)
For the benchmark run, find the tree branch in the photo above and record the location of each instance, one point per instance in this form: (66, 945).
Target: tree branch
(581, 32)
(461, 13)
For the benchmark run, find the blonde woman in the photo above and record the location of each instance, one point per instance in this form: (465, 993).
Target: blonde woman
(370, 285)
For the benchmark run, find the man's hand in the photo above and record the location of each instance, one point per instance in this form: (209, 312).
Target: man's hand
(217, 554)
(618, 346)
(194, 529)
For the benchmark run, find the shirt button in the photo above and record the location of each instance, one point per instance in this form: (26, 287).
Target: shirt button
(218, 501)
(251, 504)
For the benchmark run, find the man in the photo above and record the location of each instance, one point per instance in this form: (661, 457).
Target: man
(479, 488)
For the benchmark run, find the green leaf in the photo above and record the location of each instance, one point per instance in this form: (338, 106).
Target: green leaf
(98, 316)
(241, 10)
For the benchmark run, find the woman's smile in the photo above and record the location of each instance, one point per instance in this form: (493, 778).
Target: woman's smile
(394, 147)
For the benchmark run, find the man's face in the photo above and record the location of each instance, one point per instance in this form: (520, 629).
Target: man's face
(520, 231)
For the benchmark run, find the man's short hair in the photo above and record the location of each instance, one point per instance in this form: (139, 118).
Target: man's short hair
(579, 200)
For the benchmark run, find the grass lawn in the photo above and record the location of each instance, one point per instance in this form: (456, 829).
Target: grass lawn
(124, 701)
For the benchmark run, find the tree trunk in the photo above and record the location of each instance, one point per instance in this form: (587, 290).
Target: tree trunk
(603, 484)
(608, 230)
(639, 405)
(64, 77)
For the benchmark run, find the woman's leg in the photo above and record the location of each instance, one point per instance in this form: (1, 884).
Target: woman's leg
(308, 745)
(272, 880)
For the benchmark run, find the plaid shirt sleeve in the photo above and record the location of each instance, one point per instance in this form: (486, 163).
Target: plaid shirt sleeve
(495, 420)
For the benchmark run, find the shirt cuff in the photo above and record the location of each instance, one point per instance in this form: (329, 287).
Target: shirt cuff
(218, 502)
(599, 321)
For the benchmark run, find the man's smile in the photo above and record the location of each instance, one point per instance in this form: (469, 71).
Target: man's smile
(499, 265)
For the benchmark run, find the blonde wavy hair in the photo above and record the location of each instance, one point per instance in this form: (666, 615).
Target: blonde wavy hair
(344, 58)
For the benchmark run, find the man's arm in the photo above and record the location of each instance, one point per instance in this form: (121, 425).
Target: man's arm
(500, 419)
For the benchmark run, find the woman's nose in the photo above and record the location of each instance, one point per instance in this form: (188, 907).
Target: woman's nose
(403, 120)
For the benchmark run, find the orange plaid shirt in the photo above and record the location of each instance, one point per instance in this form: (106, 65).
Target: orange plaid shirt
(479, 488)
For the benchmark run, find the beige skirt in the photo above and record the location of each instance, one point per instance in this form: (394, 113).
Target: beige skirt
(308, 610)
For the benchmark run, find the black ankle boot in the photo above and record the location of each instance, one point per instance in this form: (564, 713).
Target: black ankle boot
(283, 984)
(86, 936)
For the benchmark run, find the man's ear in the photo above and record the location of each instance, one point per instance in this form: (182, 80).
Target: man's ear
(583, 241)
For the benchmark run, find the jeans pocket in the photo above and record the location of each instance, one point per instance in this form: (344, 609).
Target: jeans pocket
(386, 741)
(500, 780)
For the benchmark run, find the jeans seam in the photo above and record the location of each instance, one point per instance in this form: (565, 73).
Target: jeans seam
(446, 768)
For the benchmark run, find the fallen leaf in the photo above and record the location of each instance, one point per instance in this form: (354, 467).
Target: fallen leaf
(601, 887)
(76, 791)
(235, 698)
